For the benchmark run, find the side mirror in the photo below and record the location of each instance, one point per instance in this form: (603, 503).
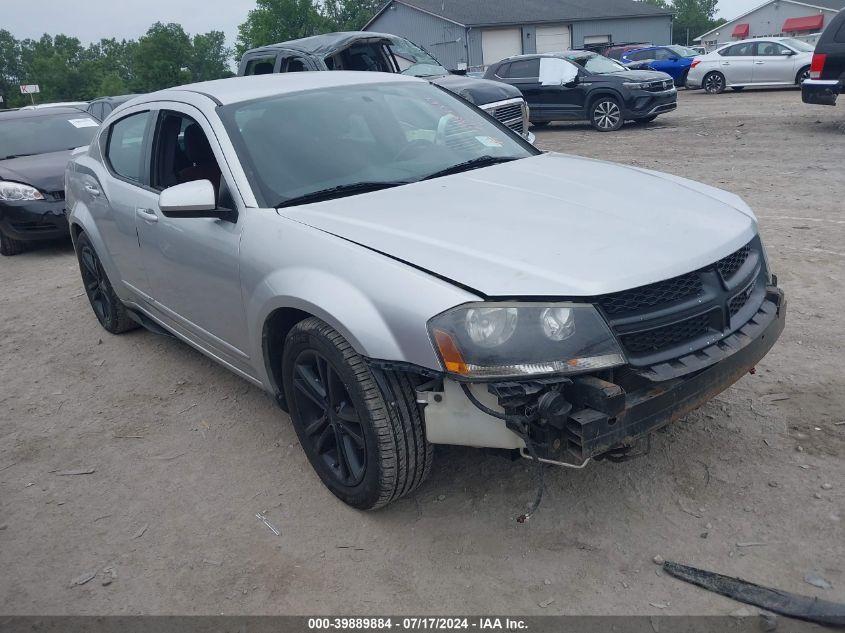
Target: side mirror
(790, 52)
(194, 199)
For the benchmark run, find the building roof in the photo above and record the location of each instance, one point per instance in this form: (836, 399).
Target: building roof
(502, 12)
(827, 5)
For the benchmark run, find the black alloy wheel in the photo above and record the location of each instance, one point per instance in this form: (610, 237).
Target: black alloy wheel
(330, 421)
(108, 308)
(714, 83)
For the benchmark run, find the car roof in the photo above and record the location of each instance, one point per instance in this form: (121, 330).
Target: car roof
(116, 98)
(42, 112)
(773, 38)
(322, 45)
(240, 89)
(560, 54)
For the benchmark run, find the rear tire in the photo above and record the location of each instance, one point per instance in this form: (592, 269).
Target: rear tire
(367, 447)
(606, 114)
(713, 83)
(10, 246)
(802, 76)
(682, 80)
(108, 308)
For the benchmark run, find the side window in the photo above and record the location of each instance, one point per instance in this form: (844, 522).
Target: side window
(182, 153)
(770, 49)
(640, 56)
(125, 149)
(840, 33)
(745, 49)
(294, 65)
(260, 65)
(503, 71)
(524, 69)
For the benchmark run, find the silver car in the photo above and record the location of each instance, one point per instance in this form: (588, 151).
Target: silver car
(767, 61)
(398, 269)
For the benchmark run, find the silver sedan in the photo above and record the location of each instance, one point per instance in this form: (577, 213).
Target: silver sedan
(398, 269)
(770, 61)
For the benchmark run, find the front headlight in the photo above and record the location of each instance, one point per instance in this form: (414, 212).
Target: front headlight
(636, 85)
(509, 340)
(15, 191)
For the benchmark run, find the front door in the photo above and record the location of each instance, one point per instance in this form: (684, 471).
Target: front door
(193, 263)
(773, 64)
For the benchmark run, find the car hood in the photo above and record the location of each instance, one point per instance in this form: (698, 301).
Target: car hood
(477, 91)
(43, 171)
(641, 75)
(548, 226)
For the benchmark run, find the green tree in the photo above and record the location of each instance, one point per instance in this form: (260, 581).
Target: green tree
(111, 84)
(210, 56)
(692, 18)
(162, 58)
(10, 70)
(274, 21)
(350, 15)
(663, 4)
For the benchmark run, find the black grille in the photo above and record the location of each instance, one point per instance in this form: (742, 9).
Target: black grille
(732, 263)
(659, 86)
(661, 293)
(738, 302)
(661, 338)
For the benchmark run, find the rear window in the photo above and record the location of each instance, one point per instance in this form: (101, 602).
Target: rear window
(524, 68)
(44, 133)
(840, 33)
(260, 65)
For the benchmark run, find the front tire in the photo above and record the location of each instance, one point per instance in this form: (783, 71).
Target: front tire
(108, 308)
(10, 246)
(367, 452)
(606, 114)
(714, 83)
(681, 82)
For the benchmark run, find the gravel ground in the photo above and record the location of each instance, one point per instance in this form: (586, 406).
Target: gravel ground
(183, 454)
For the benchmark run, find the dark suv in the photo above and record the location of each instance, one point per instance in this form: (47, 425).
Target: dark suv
(382, 52)
(581, 85)
(827, 71)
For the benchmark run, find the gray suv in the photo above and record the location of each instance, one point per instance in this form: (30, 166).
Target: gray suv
(397, 270)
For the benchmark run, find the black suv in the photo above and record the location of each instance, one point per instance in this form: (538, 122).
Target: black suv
(827, 72)
(582, 85)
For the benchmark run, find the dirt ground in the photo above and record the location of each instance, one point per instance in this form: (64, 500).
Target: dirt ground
(183, 454)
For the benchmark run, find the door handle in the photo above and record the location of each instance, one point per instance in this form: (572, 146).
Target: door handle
(148, 215)
(726, 63)
(759, 62)
(94, 190)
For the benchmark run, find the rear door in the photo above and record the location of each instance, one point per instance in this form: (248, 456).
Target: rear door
(736, 63)
(114, 196)
(525, 75)
(773, 63)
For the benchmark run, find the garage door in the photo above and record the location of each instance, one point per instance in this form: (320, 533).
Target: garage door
(497, 44)
(552, 39)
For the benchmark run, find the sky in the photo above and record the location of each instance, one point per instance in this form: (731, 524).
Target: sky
(91, 20)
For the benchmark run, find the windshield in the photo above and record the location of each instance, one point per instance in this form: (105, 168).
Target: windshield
(415, 61)
(798, 45)
(299, 144)
(45, 132)
(597, 64)
(683, 51)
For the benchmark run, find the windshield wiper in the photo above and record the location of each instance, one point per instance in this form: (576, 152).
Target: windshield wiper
(475, 163)
(339, 192)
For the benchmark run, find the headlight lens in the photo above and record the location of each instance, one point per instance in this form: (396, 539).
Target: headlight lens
(636, 85)
(14, 191)
(490, 327)
(508, 340)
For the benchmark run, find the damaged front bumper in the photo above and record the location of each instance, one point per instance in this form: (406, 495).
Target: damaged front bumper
(596, 415)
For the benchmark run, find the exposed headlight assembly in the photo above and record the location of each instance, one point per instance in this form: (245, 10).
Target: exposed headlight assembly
(15, 191)
(637, 85)
(488, 341)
